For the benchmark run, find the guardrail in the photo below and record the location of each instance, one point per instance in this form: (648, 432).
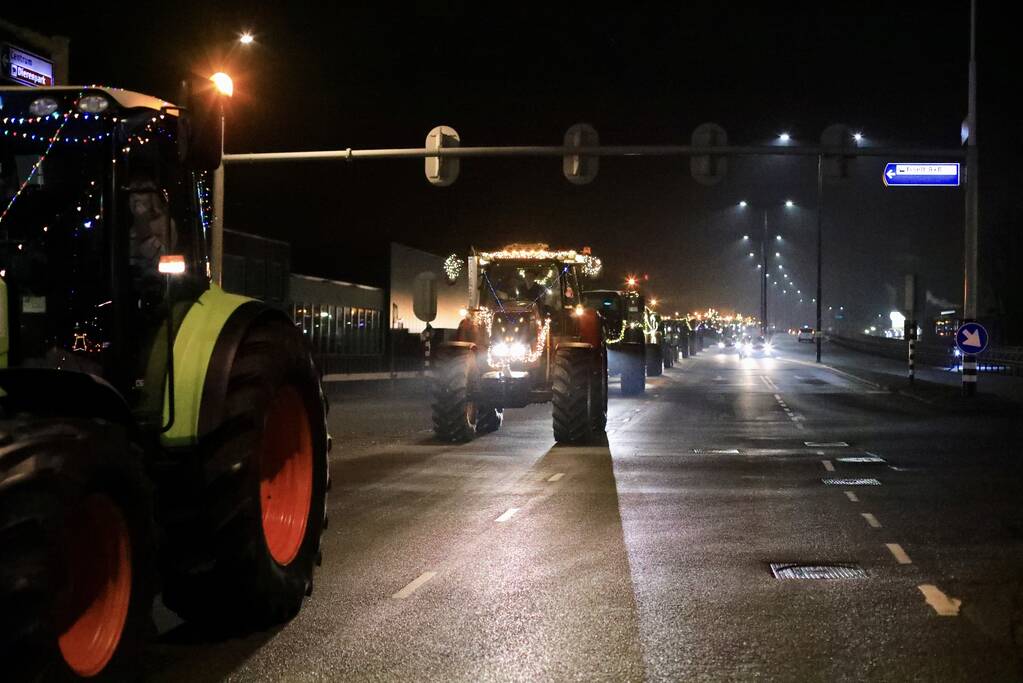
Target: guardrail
(1005, 360)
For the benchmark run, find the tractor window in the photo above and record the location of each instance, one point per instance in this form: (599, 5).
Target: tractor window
(160, 204)
(523, 281)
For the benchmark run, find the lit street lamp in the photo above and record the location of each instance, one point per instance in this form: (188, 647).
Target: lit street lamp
(246, 38)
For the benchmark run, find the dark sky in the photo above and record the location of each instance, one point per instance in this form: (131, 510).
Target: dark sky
(336, 75)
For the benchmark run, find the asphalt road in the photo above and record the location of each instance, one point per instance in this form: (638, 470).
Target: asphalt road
(648, 557)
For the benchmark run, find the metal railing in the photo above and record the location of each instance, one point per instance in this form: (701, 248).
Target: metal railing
(1005, 360)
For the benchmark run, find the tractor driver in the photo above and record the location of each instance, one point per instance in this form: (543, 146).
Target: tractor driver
(152, 233)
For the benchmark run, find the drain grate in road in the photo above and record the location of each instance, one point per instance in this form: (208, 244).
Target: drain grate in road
(851, 482)
(826, 444)
(790, 570)
(861, 458)
(716, 451)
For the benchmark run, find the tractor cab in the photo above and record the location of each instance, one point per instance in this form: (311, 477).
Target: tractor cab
(104, 223)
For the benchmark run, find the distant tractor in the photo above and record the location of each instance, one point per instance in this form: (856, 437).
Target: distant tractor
(151, 425)
(525, 338)
(655, 344)
(624, 315)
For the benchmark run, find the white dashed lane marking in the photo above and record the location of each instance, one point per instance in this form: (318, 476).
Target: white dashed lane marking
(898, 553)
(871, 520)
(941, 603)
(508, 514)
(852, 496)
(557, 476)
(828, 465)
(411, 587)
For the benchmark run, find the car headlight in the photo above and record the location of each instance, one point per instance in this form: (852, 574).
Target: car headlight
(768, 348)
(721, 345)
(747, 347)
(514, 351)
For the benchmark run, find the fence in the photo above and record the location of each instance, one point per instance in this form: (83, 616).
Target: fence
(1005, 360)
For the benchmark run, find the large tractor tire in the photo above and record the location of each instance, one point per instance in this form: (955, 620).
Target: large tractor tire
(600, 413)
(654, 361)
(633, 375)
(578, 399)
(244, 553)
(488, 420)
(77, 551)
(456, 417)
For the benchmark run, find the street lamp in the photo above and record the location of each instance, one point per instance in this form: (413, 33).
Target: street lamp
(784, 137)
(223, 83)
(858, 137)
(778, 237)
(789, 203)
(742, 204)
(246, 38)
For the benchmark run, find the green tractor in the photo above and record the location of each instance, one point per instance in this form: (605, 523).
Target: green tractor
(156, 433)
(624, 314)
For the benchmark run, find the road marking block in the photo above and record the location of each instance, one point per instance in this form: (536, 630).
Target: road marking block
(826, 444)
(508, 514)
(942, 604)
(900, 555)
(411, 587)
(828, 466)
(557, 476)
(871, 520)
(852, 496)
(859, 458)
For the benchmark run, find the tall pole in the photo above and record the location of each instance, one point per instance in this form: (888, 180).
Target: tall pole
(217, 229)
(820, 233)
(970, 282)
(763, 279)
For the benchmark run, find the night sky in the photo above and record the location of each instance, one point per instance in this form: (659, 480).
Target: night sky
(326, 76)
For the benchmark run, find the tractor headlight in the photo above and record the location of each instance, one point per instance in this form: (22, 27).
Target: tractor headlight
(509, 351)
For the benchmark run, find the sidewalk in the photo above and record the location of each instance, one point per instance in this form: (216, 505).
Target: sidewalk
(937, 386)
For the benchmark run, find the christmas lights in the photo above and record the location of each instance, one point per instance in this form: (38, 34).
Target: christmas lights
(452, 268)
(538, 252)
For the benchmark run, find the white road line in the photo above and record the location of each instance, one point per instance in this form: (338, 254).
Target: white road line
(820, 452)
(557, 476)
(942, 604)
(852, 496)
(871, 520)
(828, 466)
(777, 397)
(900, 555)
(508, 514)
(416, 583)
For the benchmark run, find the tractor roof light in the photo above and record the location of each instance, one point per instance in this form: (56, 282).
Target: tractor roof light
(43, 106)
(93, 104)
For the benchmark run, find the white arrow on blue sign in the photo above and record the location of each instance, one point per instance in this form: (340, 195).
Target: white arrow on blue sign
(971, 338)
(921, 175)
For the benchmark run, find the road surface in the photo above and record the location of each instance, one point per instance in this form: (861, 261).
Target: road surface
(649, 556)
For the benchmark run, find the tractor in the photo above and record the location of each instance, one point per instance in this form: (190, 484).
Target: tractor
(624, 315)
(156, 433)
(525, 338)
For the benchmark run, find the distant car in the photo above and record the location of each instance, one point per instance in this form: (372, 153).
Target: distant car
(805, 335)
(753, 348)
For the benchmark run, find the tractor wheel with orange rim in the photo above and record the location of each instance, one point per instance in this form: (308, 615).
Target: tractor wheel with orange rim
(246, 555)
(77, 555)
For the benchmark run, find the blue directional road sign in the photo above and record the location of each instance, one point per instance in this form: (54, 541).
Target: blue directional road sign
(971, 338)
(921, 175)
